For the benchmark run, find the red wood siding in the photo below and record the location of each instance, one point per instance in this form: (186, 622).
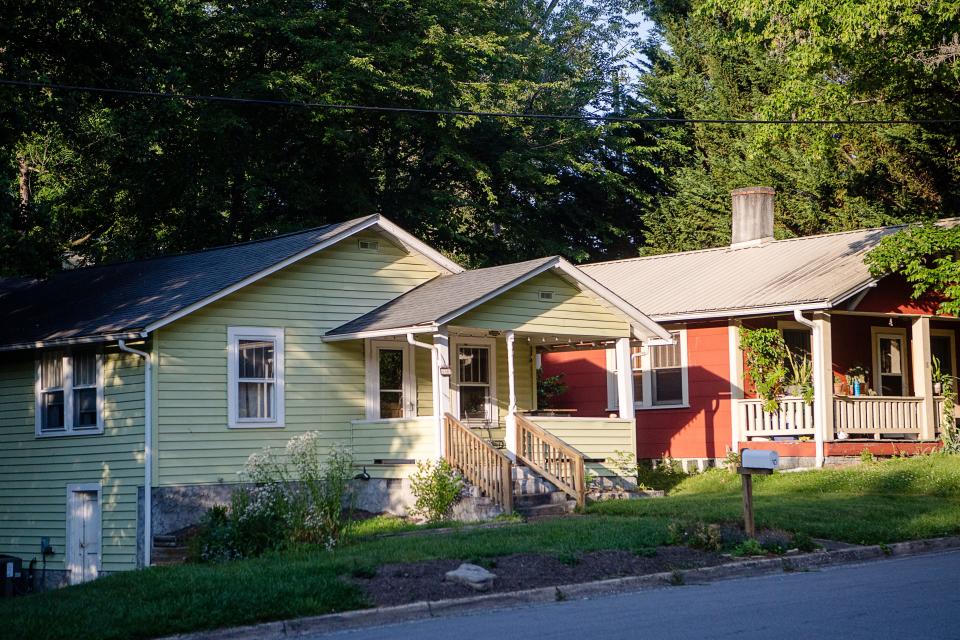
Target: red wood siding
(892, 295)
(700, 431)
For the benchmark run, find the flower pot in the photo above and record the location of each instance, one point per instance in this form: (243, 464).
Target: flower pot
(838, 388)
(937, 388)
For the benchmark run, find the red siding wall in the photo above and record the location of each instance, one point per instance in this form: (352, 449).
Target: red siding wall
(702, 431)
(893, 295)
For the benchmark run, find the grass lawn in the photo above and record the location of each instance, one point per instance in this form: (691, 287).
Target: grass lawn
(882, 502)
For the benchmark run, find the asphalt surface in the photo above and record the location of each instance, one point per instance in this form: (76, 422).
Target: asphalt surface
(915, 597)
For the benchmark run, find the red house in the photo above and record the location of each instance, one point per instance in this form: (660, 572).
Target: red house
(691, 401)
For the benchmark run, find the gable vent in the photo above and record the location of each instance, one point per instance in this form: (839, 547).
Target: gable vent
(369, 245)
(546, 295)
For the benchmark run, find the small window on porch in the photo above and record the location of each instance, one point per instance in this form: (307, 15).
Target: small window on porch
(892, 355)
(659, 374)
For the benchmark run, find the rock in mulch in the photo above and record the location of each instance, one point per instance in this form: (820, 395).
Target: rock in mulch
(471, 575)
(415, 581)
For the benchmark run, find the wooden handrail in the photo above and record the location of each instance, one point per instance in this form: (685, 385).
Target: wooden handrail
(480, 463)
(552, 458)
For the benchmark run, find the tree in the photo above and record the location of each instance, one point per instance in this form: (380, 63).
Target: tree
(928, 257)
(803, 59)
(112, 177)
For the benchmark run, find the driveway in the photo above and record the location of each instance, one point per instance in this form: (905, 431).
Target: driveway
(917, 597)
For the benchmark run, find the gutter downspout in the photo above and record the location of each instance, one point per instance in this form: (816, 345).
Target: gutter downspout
(435, 365)
(147, 448)
(818, 387)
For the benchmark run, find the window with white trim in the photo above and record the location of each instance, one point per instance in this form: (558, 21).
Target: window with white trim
(69, 393)
(659, 374)
(255, 371)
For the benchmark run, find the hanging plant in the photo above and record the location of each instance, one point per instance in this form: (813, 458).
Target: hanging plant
(766, 354)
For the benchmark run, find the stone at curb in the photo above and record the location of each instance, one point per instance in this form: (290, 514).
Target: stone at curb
(487, 602)
(471, 575)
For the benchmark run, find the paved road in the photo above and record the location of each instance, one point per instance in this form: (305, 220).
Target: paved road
(901, 598)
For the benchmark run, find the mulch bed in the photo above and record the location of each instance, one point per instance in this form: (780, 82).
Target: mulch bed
(412, 582)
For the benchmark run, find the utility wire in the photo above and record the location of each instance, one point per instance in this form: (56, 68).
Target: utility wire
(454, 112)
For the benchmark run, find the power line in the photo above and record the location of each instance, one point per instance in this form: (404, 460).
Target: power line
(454, 112)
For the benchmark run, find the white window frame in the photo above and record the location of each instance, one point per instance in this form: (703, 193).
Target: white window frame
(234, 336)
(643, 359)
(891, 332)
(458, 342)
(69, 429)
(372, 350)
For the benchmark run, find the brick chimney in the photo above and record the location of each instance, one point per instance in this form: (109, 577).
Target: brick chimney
(752, 216)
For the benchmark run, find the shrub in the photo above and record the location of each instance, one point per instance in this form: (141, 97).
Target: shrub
(775, 541)
(866, 457)
(436, 487)
(696, 535)
(803, 542)
(299, 499)
(665, 475)
(748, 547)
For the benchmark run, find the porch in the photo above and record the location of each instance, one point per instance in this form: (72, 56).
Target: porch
(873, 381)
(450, 371)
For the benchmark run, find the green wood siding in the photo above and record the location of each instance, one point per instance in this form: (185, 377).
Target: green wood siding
(571, 312)
(593, 437)
(413, 438)
(324, 381)
(35, 472)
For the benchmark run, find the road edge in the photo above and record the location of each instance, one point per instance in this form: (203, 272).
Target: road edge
(420, 610)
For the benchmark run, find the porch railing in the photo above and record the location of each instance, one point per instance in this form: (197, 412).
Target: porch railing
(480, 463)
(877, 415)
(794, 418)
(552, 458)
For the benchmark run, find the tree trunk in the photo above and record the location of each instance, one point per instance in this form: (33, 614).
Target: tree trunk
(25, 193)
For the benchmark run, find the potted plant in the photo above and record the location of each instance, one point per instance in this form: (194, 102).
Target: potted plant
(800, 377)
(839, 386)
(857, 377)
(937, 376)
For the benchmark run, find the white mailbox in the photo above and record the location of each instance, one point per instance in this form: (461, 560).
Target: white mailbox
(759, 459)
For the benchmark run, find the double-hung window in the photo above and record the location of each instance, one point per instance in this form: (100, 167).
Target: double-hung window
(659, 374)
(255, 371)
(391, 389)
(69, 396)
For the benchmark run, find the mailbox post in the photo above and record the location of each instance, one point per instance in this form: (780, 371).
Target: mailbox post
(753, 461)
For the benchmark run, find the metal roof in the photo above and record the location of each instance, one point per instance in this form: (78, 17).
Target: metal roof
(441, 297)
(813, 271)
(120, 300)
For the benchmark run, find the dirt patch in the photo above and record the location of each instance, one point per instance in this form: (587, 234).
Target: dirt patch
(394, 584)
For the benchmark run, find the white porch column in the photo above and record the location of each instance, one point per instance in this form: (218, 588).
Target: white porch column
(736, 384)
(441, 384)
(822, 382)
(511, 421)
(624, 379)
(923, 375)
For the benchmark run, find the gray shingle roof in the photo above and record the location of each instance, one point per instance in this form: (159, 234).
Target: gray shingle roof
(123, 298)
(440, 297)
(800, 271)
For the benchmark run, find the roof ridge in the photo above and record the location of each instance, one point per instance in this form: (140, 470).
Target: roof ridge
(782, 240)
(208, 249)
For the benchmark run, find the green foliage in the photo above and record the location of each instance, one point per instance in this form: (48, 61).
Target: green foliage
(928, 256)
(867, 457)
(749, 547)
(949, 431)
(295, 500)
(666, 474)
(801, 375)
(113, 178)
(766, 354)
(753, 59)
(436, 487)
(697, 535)
(549, 388)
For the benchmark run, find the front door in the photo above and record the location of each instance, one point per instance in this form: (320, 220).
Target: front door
(474, 380)
(892, 364)
(84, 535)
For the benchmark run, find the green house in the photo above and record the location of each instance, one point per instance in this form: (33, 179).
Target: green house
(132, 394)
